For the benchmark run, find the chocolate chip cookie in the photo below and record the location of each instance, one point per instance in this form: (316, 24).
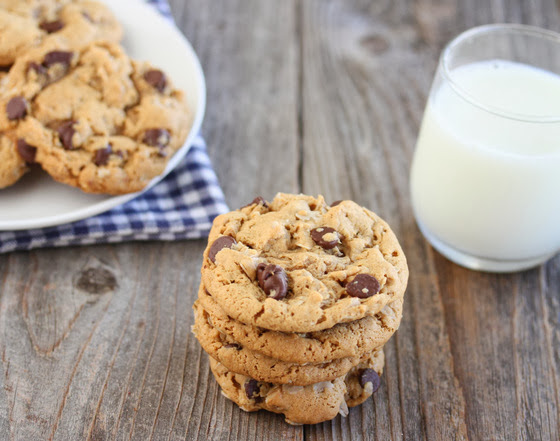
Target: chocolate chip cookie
(309, 404)
(352, 339)
(240, 359)
(298, 264)
(96, 119)
(25, 24)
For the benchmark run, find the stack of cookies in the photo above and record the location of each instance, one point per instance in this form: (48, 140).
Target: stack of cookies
(296, 301)
(73, 102)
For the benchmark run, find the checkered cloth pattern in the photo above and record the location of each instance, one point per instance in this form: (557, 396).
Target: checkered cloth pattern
(181, 206)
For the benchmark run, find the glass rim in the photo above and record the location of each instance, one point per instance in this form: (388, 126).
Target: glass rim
(533, 31)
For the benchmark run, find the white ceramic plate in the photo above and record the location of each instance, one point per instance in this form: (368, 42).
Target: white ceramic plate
(37, 200)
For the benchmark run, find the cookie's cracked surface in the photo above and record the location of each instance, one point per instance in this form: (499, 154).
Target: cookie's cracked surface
(322, 285)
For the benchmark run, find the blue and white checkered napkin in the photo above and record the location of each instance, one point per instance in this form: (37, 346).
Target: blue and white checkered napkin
(181, 206)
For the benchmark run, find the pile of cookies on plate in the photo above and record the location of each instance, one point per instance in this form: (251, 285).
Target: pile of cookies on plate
(296, 301)
(73, 102)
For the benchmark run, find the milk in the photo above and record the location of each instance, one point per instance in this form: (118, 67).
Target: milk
(484, 184)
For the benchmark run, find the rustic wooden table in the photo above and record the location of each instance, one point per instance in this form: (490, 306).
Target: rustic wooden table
(314, 96)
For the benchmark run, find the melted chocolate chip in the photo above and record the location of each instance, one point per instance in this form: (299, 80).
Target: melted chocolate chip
(51, 26)
(363, 286)
(57, 57)
(273, 280)
(157, 79)
(252, 388)
(259, 200)
(66, 133)
(26, 151)
(102, 155)
(218, 245)
(370, 376)
(38, 68)
(16, 108)
(157, 138)
(325, 237)
(233, 346)
(335, 203)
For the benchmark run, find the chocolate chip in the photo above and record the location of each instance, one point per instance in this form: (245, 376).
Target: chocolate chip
(219, 244)
(157, 138)
(26, 151)
(363, 286)
(259, 200)
(335, 203)
(233, 346)
(156, 78)
(325, 237)
(66, 133)
(273, 280)
(16, 108)
(102, 155)
(252, 388)
(370, 376)
(57, 57)
(51, 26)
(38, 68)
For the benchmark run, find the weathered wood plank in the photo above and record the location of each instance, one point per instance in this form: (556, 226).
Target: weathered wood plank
(475, 355)
(249, 53)
(378, 69)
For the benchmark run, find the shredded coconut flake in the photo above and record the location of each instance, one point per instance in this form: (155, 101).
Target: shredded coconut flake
(320, 387)
(103, 172)
(343, 409)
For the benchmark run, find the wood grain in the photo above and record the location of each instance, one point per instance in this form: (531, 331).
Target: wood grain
(249, 53)
(318, 96)
(475, 357)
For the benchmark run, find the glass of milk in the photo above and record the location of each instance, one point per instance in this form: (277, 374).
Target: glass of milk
(485, 178)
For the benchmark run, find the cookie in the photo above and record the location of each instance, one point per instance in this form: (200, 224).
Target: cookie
(98, 120)
(12, 165)
(32, 8)
(23, 33)
(297, 264)
(26, 24)
(310, 404)
(352, 339)
(261, 367)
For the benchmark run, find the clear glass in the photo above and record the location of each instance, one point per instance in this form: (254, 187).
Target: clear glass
(485, 178)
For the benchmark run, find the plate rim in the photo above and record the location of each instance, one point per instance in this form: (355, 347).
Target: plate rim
(115, 201)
